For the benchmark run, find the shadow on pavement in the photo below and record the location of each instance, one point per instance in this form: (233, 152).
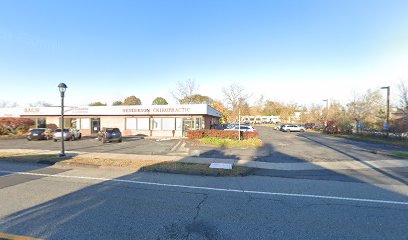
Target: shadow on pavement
(399, 179)
(124, 210)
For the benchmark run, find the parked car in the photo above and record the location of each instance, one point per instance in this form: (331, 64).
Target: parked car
(109, 135)
(37, 134)
(292, 128)
(278, 127)
(242, 128)
(310, 125)
(68, 134)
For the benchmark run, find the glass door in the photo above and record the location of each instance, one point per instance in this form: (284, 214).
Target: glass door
(95, 125)
(187, 125)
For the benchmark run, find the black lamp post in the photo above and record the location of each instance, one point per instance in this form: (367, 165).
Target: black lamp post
(387, 126)
(62, 88)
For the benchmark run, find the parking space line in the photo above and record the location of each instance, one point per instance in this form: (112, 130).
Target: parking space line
(297, 195)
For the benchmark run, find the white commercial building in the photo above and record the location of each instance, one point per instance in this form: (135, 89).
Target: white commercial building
(152, 120)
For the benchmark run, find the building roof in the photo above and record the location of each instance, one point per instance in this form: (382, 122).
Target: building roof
(134, 110)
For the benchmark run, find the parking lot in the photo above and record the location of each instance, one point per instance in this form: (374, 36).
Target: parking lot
(128, 145)
(300, 147)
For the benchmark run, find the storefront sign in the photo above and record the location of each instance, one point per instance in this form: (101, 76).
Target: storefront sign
(193, 109)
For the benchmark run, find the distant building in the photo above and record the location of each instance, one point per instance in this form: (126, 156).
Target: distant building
(260, 119)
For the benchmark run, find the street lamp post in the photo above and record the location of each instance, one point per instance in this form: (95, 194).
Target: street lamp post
(62, 88)
(327, 110)
(239, 124)
(387, 124)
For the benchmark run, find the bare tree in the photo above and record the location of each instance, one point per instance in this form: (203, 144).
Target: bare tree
(235, 98)
(185, 90)
(403, 102)
(234, 95)
(367, 109)
(40, 104)
(7, 104)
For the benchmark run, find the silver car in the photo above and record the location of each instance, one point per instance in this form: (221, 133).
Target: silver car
(68, 134)
(292, 128)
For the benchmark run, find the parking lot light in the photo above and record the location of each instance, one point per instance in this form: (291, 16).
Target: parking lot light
(387, 124)
(62, 88)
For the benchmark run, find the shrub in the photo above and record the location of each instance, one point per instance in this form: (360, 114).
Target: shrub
(252, 142)
(14, 126)
(205, 133)
(52, 126)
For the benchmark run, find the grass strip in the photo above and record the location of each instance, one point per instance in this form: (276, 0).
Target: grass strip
(137, 165)
(372, 139)
(252, 142)
(196, 169)
(403, 154)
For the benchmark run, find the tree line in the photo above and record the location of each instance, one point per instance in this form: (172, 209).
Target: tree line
(366, 110)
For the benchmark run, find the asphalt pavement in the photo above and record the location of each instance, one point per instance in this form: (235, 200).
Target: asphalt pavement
(129, 145)
(294, 147)
(86, 203)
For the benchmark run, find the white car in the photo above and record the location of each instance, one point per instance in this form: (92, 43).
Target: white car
(242, 129)
(292, 128)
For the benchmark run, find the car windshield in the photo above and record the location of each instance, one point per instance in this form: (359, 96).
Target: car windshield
(59, 130)
(37, 131)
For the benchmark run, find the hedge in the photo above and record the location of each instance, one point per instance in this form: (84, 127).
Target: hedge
(14, 126)
(198, 134)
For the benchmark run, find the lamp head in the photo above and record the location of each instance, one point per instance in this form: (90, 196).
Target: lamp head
(62, 87)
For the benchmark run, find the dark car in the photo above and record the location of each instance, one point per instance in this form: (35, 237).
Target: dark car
(310, 125)
(37, 134)
(110, 135)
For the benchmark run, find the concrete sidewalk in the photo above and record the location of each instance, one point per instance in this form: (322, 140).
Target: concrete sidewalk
(337, 165)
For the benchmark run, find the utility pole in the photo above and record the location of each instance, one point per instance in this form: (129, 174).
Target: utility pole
(387, 124)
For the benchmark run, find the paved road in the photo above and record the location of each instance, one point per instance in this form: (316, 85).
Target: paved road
(88, 203)
(128, 146)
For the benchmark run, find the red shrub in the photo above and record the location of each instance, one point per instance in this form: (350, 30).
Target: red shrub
(11, 125)
(248, 135)
(197, 134)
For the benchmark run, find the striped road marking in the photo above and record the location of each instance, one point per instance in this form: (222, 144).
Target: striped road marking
(299, 195)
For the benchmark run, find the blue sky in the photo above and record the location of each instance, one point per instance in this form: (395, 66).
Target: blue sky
(291, 51)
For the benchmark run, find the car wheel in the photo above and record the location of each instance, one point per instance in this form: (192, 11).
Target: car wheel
(55, 140)
(302, 130)
(120, 140)
(288, 130)
(28, 139)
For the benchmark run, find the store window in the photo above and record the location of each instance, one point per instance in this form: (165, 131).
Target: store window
(131, 123)
(156, 123)
(143, 124)
(198, 123)
(41, 123)
(179, 124)
(168, 123)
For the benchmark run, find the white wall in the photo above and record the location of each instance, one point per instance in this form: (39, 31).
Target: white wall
(117, 122)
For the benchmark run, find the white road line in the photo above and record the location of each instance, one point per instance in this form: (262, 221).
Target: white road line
(214, 189)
